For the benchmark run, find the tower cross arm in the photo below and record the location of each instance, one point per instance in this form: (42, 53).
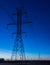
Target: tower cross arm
(27, 22)
(19, 33)
(12, 23)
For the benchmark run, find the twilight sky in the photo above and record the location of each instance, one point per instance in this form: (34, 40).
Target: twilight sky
(37, 39)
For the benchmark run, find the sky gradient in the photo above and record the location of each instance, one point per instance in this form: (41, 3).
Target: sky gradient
(37, 39)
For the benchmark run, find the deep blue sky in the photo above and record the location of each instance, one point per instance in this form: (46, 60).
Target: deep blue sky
(38, 33)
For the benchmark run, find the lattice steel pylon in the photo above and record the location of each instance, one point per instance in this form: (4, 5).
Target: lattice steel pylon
(18, 48)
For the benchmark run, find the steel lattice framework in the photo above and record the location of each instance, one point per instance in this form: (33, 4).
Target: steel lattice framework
(18, 45)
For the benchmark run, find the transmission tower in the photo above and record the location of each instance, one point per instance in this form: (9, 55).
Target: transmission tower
(39, 56)
(18, 48)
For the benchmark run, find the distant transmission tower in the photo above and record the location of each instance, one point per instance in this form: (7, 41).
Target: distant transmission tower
(39, 56)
